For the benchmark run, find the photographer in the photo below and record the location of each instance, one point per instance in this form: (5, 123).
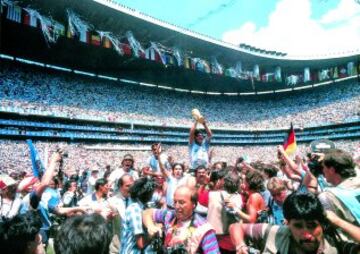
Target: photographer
(185, 231)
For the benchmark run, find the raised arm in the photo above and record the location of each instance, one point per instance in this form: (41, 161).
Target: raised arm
(208, 131)
(292, 165)
(166, 174)
(49, 174)
(192, 131)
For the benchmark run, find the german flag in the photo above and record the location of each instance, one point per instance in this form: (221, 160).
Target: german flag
(290, 141)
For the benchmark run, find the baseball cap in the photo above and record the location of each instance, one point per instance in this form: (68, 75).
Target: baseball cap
(128, 157)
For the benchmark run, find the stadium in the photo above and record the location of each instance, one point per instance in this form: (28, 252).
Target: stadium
(147, 97)
(101, 80)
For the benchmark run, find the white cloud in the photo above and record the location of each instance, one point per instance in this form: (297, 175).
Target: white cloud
(345, 10)
(291, 29)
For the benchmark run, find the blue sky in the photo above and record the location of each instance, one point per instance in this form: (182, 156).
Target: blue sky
(299, 27)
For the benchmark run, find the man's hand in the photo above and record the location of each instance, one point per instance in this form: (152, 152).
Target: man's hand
(154, 229)
(280, 149)
(242, 249)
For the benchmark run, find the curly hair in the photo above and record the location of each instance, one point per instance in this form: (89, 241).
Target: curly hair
(142, 189)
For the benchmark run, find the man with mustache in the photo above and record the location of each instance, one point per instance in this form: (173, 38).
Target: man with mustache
(307, 231)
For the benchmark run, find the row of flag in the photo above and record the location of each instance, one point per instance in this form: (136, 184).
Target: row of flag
(129, 46)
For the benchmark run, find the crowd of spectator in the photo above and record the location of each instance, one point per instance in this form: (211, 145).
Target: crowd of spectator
(72, 96)
(15, 155)
(89, 201)
(110, 198)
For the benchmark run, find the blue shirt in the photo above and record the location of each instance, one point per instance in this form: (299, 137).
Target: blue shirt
(199, 154)
(132, 227)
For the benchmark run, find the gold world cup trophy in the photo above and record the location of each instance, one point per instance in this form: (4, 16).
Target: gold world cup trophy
(197, 116)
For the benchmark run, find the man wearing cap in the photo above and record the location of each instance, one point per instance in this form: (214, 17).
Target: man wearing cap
(127, 167)
(9, 203)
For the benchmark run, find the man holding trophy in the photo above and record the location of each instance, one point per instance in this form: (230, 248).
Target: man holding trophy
(198, 145)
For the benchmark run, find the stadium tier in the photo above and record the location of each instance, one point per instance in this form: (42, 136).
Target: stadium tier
(108, 39)
(71, 82)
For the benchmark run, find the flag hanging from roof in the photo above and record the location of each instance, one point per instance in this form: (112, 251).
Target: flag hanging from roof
(95, 40)
(290, 141)
(30, 18)
(14, 13)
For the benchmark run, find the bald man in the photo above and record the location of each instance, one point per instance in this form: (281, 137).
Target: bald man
(184, 229)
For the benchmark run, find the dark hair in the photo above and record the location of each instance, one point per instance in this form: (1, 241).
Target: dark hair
(194, 197)
(83, 234)
(178, 164)
(74, 177)
(216, 175)
(56, 180)
(231, 182)
(255, 181)
(341, 161)
(303, 206)
(270, 170)
(17, 232)
(197, 132)
(154, 145)
(200, 167)
(107, 174)
(100, 182)
(67, 185)
(142, 189)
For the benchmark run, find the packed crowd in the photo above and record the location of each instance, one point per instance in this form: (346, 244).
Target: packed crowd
(176, 203)
(15, 155)
(57, 94)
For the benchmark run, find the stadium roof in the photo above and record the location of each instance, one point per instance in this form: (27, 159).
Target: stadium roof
(110, 16)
